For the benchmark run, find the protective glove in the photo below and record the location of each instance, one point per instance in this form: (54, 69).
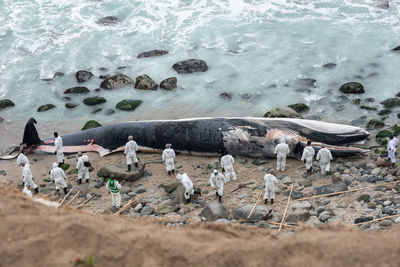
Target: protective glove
(53, 181)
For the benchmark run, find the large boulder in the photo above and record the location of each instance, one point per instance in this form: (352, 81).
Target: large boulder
(45, 107)
(169, 188)
(109, 20)
(5, 103)
(152, 53)
(116, 81)
(128, 104)
(90, 124)
(144, 82)
(190, 66)
(120, 171)
(260, 213)
(375, 124)
(77, 90)
(282, 112)
(83, 76)
(352, 88)
(177, 195)
(94, 100)
(169, 83)
(298, 215)
(391, 102)
(214, 211)
(332, 188)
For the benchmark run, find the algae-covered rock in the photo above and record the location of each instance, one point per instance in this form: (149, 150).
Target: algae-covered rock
(282, 112)
(144, 82)
(152, 53)
(299, 107)
(5, 103)
(77, 90)
(368, 107)
(94, 100)
(91, 124)
(45, 107)
(65, 166)
(352, 88)
(109, 20)
(356, 101)
(383, 134)
(391, 103)
(128, 104)
(375, 124)
(384, 112)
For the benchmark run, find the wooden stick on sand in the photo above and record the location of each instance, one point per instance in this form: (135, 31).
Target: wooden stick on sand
(72, 199)
(376, 220)
(255, 205)
(287, 205)
(86, 201)
(65, 197)
(127, 205)
(343, 192)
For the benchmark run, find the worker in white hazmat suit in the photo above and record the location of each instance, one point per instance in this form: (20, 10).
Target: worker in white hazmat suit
(324, 157)
(58, 177)
(308, 155)
(187, 184)
(28, 179)
(391, 149)
(281, 151)
(22, 158)
(217, 180)
(270, 182)
(168, 156)
(58, 145)
(130, 151)
(114, 188)
(82, 166)
(227, 167)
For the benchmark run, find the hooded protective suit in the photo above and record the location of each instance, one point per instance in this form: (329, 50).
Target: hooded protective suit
(22, 159)
(324, 158)
(281, 151)
(130, 152)
(270, 182)
(168, 156)
(308, 155)
(58, 144)
(227, 164)
(58, 176)
(391, 149)
(82, 169)
(187, 184)
(217, 180)
(27, 175)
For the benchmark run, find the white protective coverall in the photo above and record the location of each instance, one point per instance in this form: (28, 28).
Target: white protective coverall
(227, 163)
(27, 175)
(130, 152)
(391, 149)
(58, 176)
(324, 156)
(114, 187)
(82, 169)
(22, 159)
(270, 182)
(168, 156)
(218, 181)
(58, 144)
(308, 155)
(281, 151)
(187, 184)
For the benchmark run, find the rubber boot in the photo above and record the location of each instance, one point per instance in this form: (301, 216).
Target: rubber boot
(188, 201)
(65, 190)
(272, 201)
(169, 173)
(129, 167)
(173, 171)
(79, 181)
(36, 190)
(216, 194)
(87, 181)
(266, 201)
(136, 165)
(57, 191)
(219, 199)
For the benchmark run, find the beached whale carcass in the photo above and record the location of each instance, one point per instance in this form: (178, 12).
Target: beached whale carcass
(253, 137)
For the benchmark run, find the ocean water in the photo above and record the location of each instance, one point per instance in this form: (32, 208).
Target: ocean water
(256, 50)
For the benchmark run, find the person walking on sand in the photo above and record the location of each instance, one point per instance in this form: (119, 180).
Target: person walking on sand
(217, 180)
(114, 188)
(281, 151)
(391, 149)
(227, 167)
(83, 166)
(324, 157)
(168, 156)
(130, 152)
(28, 179)
(307, 157)
(58, 177)
(270, 182)
(58, 144)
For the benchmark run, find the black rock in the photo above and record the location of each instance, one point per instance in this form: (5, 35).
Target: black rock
(190, 66)
(99, 184)
(352, 88)
(83, 76)
(363, 219)
(45, 107)
(169, 83)
(397, 49)
(329, 65)
(297, 194)
(332, 188)
(226, 95)
(77, 90)
(116, 81)
(388, 211)
(144, 82)
(109, 20)
(152, 53)
(5, 103)
(104, 76)
(71, 105)
(391, 103)
(307, 82)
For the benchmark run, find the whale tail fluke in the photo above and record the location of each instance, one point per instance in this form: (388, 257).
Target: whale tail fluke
(31, 136)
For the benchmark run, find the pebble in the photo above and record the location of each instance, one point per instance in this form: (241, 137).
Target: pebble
(385, 223)
(326, 202)
(138, 208)
(324, 216)
(386, 203)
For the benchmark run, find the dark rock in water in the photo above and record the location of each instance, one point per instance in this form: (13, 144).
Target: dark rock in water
(5, 103)
(214, 211)
(97, 89)
(67, 98)
(356, 101)
(299, 107)
(282, 112)
(329, 65)
(105, 76)
(370, 99)
(116, 81)
(71, 105)
(375, 124)
(245, 96)
(94, 100)
(144, 82)
(77, 90)
(368, 107)
(259, 162)
(226, 96)
(96, 110)
(120, 171)
(103, 69)
(109, 20)
(397, 49)
(358, 122)
(297, 194)
(122, 67)
(307, 82)
(152, 53)
(363, 219)
(260, 213)
(332, 188)
(391, 103)
(83, 76)
(90, 124)
(169, 83)
(128, 104)
(352, 88)
(45, 107)
(384, 112)
(190, 66)
(110, 111)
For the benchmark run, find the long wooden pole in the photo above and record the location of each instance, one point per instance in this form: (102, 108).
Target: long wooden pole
(255, 205)
(65, 197)
(128, 204)
(286, 225)
(376, 220)
(287, 205)
(72, 199)
(343, 192)
(86, 201)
